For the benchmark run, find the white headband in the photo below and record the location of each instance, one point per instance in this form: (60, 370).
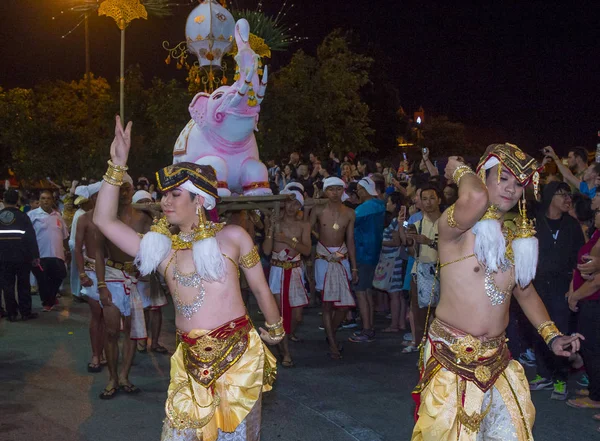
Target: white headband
(209, 201)
(296, 193)
(333, 182)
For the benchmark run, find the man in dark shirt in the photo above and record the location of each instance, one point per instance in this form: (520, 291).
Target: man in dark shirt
(560, 238)
(18, 251)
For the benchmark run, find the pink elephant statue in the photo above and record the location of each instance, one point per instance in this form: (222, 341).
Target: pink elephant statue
(221, 131)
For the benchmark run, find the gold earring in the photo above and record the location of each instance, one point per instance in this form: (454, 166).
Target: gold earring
(201, 218)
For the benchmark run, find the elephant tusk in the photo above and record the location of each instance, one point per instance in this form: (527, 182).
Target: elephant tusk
(260, 95)
(243, 89)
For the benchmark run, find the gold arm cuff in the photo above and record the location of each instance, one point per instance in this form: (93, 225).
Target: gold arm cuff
(451, 222)
(548, 331)
(460, 171)
(251, 259)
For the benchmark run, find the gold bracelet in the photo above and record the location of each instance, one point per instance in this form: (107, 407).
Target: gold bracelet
(294, 242)
(82, 275)
(111, 181)
(122, 168)
(460, 171)
(548, 331)
(101, 285)
(115, 174)
(275, 325)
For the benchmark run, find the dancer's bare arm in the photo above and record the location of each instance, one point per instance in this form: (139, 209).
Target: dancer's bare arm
(78, 250)
(471, 204)
(105, 214)
(350, 244)
(536, 313)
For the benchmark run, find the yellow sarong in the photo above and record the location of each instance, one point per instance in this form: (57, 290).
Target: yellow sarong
(470, 390)
(217, 378)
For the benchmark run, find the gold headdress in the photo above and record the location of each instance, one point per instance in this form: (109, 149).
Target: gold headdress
(522, 166)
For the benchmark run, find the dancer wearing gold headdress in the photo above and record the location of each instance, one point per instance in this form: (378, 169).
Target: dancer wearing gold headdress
(470, 389)
(220, 367)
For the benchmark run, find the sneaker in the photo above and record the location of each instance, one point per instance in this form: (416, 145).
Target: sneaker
(46, 308)
(560, 391)
(540, 383)
(349, 324)
(410, 349)
(584, 381)
(30, 316)
(527, 358)
(408, 336)
(363, 338)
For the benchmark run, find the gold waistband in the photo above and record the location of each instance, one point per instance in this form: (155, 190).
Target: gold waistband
(480, 361)
(209, 356)
(128, 267)
(453, 336)
(286, 264)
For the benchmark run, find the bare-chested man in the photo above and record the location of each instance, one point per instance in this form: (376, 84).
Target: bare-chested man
(119, 296)
(85, 246)
(221, 367)
(336, 260)
(470, 389)
(286, 242)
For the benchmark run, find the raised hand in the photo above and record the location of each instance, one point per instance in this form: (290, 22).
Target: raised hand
(549, 151)
(119, 149)
(453, 163)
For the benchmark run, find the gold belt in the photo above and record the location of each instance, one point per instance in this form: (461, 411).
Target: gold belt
(332, 258)
(128, 267)
(286, 265)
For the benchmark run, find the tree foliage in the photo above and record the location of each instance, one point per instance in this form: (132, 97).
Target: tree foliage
(314, 103)
(47, 131)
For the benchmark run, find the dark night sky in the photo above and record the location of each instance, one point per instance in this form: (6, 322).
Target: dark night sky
(528, 68)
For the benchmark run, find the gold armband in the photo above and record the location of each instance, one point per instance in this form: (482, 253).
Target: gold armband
(251, 259)
(276, 331)
(114, 174)
(460, 171)
(451, 222)
(101, 285)
(548, 331)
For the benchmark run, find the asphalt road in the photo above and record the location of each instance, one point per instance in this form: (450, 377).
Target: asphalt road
(47, 394)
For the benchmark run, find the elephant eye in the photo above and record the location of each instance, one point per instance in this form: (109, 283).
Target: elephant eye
(217, 96)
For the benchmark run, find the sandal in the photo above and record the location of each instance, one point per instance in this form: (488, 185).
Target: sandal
(129, 388)
(583, 403)
(335, 356)
(287, 363)
(94, 368)
(596, 417)
(296, 339)
(109, 394)
(103, 362)
(142, 347)
(391, 330)
(159, 350)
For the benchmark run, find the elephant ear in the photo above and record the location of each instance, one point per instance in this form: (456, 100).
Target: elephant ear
(198, 108)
